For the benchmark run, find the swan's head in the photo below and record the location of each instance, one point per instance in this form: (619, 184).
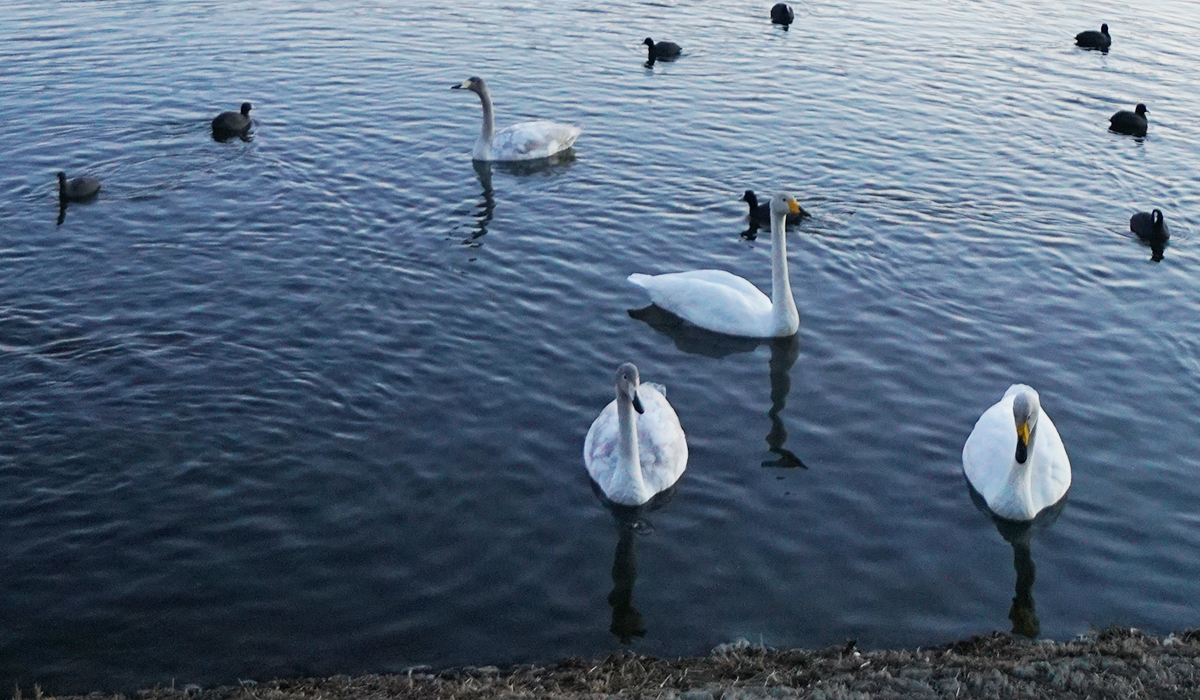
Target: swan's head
(783, 204)
(648, 42)
(1156, 216)
(245, 109)
(473, 84)
(1025, 415)
(628, 383)
(1141, 109)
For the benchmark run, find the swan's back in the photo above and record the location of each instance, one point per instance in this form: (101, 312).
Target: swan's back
(714, 299)
(662, 446)
(529, 141)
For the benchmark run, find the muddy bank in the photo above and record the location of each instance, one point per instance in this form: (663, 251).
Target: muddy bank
(1114, 663)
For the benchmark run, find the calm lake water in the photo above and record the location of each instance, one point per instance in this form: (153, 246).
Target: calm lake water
(315, 403)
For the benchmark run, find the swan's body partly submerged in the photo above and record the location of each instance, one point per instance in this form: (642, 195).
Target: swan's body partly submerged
(725, 303)
(1093, 39)
(1134, 123)
(633, 457)
(1014, 457)
(524, 141)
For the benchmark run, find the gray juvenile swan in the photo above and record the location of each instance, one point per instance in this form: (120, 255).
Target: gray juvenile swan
(524, 141)
(633, 456)
(1133, 123)
(1093, 39)
(77, 189)
(725, 303)
(1014, 457)
(232, 123)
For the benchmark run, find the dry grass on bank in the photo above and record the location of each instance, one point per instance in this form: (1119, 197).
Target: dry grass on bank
(1114, 663)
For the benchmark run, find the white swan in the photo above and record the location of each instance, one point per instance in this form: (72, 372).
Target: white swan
(725, 303)
(1014, 457)
(631, 458)
(524, 141)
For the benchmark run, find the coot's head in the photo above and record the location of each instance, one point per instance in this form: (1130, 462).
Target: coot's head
(1141, 109)
(245, 109)
(1104, 29)
(648, 42)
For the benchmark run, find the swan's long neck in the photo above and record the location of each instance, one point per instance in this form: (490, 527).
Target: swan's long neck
(62, 187)
(629, 465)
(785, 317)
(1018, 489)
(489, 121)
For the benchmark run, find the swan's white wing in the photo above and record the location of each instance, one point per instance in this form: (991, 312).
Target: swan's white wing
(1050, 473)
(662, 446)
(531, 140)
(988, 452)
(712, 299)
(600, 447)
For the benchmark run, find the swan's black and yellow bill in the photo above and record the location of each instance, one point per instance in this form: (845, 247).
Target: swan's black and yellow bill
(637, 403)
(1022, 442)
(793, 206)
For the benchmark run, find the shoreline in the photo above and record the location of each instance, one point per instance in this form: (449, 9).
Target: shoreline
(1110, 663)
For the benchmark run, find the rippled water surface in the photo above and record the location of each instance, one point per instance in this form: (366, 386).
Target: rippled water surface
(315, 402)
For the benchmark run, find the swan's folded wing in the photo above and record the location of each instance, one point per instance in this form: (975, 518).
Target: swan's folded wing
(531, 140)
(1051, 475)
(712, 299)
(988, 452)
(600, 446)
(662, 445)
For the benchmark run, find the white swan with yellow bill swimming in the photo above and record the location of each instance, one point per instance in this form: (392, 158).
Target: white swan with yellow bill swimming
(1014, 457)
(633, 457)
(725, 303)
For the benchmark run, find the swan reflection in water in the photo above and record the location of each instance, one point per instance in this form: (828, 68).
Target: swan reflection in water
(1019, 534)
(698, 341)
(485, 211)
(631, 523)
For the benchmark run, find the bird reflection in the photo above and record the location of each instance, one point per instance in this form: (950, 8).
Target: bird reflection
(698, 341)
(1156, 251)
(1019, 534)
(486, 210)
(626, 622)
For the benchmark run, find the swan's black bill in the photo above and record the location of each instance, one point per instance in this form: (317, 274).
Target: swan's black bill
(637, 403)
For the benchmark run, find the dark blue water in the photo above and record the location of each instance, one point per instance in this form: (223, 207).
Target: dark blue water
(315, 402)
